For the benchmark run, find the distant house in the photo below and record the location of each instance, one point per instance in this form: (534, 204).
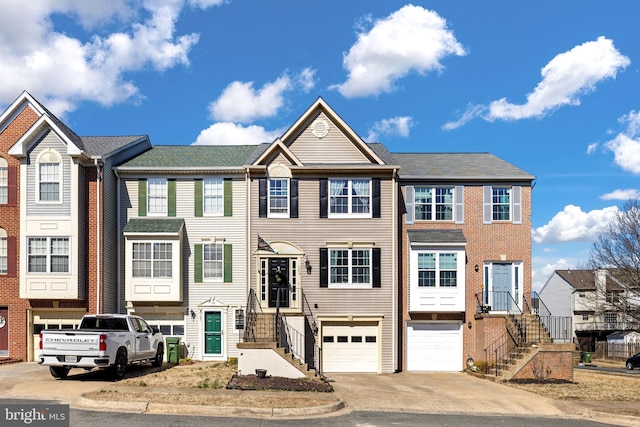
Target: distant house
(593, 299)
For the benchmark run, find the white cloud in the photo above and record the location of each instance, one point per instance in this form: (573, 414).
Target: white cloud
(234, 134)
(394, 126)
(564, 79)
(591, 148)
(626, 145)
(241, 102)
(410, 39)
(541, 275)
(87, 67)
(626, 194)
(574, 225)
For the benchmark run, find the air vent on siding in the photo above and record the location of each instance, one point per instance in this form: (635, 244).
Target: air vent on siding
(320, 128)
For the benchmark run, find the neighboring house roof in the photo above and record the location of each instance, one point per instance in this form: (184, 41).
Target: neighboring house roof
(584, 280)
(436, 236)
(100, 146)
(154, 225)
(182, 158)
(457, 166)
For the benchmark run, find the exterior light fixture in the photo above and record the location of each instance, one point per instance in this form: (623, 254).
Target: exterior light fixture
(307, 264)
(476, 268)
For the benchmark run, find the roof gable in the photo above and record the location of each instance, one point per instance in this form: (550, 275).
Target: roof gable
(320, 137)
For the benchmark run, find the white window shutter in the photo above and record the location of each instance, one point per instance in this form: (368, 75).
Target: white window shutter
(409, 200)
(458, 198)
(487, 211)
(516, 193)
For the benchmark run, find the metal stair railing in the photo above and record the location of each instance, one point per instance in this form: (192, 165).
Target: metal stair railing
(253, 305)
(312, 349)
(559, 328)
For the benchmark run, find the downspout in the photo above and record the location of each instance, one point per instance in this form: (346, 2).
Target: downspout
(118, 243)
(394, 271)
(98, 231)
(247, 178)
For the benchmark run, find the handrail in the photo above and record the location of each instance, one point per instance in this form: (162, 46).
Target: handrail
(252, 305)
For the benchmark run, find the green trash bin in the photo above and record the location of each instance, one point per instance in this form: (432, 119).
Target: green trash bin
(173, 349)
(587, 357)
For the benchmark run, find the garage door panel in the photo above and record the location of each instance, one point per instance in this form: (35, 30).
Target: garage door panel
(350, 349)
(434, 347)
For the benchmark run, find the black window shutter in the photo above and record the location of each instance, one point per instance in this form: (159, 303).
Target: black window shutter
(375, 197)
(262, 197)
(293, 208)
(324, 267)
(324, 195)
(377, 280)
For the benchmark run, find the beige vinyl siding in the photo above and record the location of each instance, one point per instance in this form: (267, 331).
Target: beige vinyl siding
(310, 233)
(311, 149)
(50, 140)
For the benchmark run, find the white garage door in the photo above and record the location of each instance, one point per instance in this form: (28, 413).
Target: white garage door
(350, 348)
(434, 347)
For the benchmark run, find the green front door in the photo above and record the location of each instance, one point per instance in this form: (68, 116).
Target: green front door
(213, 332)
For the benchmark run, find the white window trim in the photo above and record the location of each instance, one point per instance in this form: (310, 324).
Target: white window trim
(152, 242)
(166, 197)
(220, 182)
(433, 202)
(288, 199)
(350, 284)
(48, 256)
(50, 153)
(213, 279)
(350, 213)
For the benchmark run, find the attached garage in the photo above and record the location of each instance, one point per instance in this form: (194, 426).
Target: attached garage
(434, 346)
(352, 347)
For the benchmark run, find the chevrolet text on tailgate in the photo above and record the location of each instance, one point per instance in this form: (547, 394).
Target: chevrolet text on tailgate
(104, 341)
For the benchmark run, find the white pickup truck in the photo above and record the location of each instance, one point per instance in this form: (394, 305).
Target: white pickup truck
(105, 341)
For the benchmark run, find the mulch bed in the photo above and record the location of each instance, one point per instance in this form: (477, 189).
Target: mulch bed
(271, 383)
(541, 381)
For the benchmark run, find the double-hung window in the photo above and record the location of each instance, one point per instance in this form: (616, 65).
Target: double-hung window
(212, 261)
(350, 267)
(157, 196)
(3, 253)
(437, 269)
(48, 255)
(49, 177)
(434, 203)
(152, 259)
(501, 203)
(213, 196)
(4, 182)
(279, 197)
(350, 197)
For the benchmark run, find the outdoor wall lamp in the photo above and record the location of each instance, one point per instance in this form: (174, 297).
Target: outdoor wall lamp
(469, 324)
(476, 268)
(193, 314)
(307, 264)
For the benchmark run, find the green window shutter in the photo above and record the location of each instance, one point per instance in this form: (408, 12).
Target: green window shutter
(228, 278)
(197, 263)
(197, 197)
(228, 197)
(142, 197)
(171, 197)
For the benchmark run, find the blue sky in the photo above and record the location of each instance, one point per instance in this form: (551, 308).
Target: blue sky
(550, 86)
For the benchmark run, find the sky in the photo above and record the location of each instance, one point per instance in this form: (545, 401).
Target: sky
(550, 86)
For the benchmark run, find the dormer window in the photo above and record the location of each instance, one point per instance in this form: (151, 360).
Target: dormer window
(49, 176)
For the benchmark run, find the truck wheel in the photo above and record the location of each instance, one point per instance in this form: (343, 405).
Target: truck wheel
(157, 361)
(59, 371)
(120, 365)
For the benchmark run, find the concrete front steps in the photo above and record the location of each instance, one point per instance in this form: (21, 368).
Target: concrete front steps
(275, 360)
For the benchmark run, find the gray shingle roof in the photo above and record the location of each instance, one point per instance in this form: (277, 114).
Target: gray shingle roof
(457, 166)
(585, 280)
(177, 157)
(154, 225)
(436, 236)
(99, 146)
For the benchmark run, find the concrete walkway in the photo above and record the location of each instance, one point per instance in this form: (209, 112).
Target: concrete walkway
(437, 393)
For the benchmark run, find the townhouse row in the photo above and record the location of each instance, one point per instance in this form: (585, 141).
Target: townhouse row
(379, 261)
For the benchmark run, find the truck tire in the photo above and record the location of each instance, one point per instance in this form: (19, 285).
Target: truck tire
(59, 371)
(157, 361)
(119, 365)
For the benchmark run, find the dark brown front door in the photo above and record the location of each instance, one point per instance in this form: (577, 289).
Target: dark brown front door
(4, 332)
(279, 281)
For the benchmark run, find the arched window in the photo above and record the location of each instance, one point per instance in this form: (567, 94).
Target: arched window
(49, 176)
